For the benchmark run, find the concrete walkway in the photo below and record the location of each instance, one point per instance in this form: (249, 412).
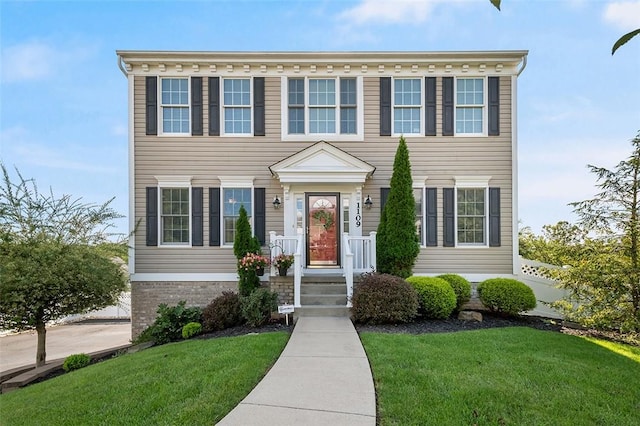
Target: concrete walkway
(321, 378)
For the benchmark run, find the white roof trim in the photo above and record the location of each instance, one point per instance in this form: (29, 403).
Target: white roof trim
(322, 163)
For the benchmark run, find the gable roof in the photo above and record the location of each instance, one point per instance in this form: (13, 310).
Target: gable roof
(322, 162)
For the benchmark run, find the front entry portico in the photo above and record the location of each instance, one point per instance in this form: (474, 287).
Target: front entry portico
(322, 200)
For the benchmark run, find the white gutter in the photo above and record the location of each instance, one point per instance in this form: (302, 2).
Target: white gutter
(122, 68)
(524, 65)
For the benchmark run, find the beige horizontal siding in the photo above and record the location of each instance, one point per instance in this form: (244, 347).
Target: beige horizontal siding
(205, 158)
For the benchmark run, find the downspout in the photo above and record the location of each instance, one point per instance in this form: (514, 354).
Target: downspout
(524, 65)
(124, 71)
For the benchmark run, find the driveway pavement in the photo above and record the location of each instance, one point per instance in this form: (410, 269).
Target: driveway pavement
(17, 350)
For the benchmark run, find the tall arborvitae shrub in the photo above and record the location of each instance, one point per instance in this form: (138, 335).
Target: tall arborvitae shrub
(243, 243)
(397, 241)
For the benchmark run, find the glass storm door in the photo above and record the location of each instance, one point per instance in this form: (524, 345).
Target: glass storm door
(323, 230)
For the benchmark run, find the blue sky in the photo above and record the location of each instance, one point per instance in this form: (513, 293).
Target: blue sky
(63, 100)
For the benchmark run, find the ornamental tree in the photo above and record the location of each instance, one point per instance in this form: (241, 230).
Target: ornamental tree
(243, 243)
(397, 243)
(49, 261)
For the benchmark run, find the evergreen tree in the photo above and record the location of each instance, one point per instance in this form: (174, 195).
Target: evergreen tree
(397, 241)
(243, 243)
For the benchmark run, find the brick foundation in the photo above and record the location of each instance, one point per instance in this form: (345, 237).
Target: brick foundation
(284, 287)
(146, 296)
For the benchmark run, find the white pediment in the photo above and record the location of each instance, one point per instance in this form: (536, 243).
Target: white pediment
(322, 162)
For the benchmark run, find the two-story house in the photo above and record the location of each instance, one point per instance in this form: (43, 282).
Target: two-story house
(305, 141)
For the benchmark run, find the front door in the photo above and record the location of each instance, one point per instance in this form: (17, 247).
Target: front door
(323, 229)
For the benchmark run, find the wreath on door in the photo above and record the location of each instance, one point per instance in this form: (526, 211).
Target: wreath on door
(325, 217)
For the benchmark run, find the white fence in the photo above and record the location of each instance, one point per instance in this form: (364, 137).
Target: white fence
(535, 275)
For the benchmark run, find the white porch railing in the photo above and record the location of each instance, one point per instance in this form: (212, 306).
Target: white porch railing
(288, 245)
(358, 256)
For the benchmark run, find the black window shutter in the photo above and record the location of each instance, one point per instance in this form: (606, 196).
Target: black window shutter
(430, 106)
(151, 88)
(214, 107)
(385, 106)
(494, 106)
(431, 225)
(449, 217)
(258, 106)
(447, 106)
(197, 217)
(152, 216)
(259, 214)
(196, 106)
(494, 217)
(214, 216)
(384, 195)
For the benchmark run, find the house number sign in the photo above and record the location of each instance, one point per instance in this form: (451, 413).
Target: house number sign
(358, 217)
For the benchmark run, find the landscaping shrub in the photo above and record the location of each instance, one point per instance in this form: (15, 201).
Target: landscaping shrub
(191, 329)
(223, 312)
(257, 307)
(76, 361)
(168, 324)
(506, 295)
(436, 297)
(461, 287)
(384, 299)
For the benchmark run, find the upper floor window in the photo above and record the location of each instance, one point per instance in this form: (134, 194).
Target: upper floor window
(237, 106)
(471, 208)
(175, 214)
(407, 106)
(175, 105)
(232, 199)
(323, 106)
(470, 106)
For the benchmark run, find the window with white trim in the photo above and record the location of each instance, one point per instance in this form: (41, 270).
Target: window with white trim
(323, 106)
(174, 105)
(418, 195)
(175, 216)
(471, 216)
(407, 106)
(470, 105)
(236, 101)
(232, 199)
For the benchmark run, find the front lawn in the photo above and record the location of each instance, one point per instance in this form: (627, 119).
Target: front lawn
(196, 382)
(507, 376)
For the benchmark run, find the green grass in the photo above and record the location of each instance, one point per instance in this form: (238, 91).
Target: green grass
(196, 382)
(510, 376)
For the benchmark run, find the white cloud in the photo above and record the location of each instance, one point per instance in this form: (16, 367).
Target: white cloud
(36, 60)
(624, 15)
(28, 61)
(389, 12)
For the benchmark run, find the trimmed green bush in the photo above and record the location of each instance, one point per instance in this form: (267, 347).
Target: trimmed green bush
(168, 324)
(436, 297)
(506, 296)
(75, 362)
(461, 287)
(223, 312)
(257, 307)
(384, 299)
(191, 329)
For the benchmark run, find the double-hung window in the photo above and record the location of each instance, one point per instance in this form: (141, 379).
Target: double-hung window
(175, 105)
(472, 210)
(233, 199)
(322, 106)
(236, 101)
(418, 195)
(175, 216)
(407, 106)
(470, 106)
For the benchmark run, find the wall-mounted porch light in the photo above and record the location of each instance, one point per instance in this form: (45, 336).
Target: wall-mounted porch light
(368, 203)
(276, 202)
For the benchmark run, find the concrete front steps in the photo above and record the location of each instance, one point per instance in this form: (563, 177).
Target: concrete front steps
(323, 296)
